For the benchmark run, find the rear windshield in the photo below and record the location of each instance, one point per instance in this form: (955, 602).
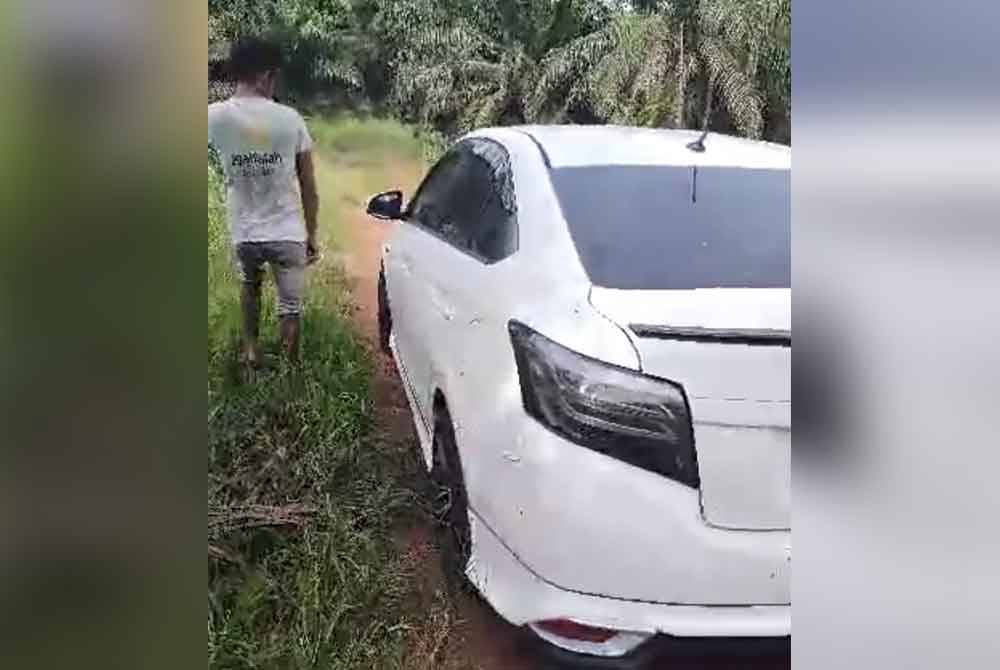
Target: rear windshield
(666, 227)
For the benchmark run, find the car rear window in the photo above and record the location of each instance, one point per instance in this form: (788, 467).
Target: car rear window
(667, 227)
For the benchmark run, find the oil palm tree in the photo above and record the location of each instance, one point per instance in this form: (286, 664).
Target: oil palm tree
(321, 38)
(457, 64)
(465, 63)
(668, 65)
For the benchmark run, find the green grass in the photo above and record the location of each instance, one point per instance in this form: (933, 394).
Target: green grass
(373, 140)
(328, 590)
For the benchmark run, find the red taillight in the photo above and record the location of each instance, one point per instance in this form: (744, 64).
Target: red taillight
(572, 630)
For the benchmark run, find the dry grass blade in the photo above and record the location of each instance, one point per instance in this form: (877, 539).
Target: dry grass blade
(223, 520)
(220, 554)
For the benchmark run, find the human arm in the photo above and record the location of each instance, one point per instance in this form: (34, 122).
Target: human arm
(310, 200)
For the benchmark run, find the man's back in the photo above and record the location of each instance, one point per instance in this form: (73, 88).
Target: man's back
(258, 142)
(266, 154)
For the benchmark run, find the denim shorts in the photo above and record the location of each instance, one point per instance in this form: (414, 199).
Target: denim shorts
(288, 264)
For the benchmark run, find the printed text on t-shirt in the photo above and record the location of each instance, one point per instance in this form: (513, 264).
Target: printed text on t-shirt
(254, 164)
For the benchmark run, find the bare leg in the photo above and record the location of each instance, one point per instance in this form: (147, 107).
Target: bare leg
(290, 328)
(250, 302)
(288, 266)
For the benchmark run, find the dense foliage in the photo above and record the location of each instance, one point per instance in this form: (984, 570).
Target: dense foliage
(458, 64)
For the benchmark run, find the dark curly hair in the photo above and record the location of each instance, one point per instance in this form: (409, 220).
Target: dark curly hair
(253, 56)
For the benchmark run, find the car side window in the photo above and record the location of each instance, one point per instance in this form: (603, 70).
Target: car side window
(467, 197)
(432, 199)
(492, 233)
(469, 200)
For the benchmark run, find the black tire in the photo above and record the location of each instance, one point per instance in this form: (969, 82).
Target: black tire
(450, 505)
(384, 315)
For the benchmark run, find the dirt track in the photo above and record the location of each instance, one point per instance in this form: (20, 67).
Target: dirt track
(471, 635)
(476, 637)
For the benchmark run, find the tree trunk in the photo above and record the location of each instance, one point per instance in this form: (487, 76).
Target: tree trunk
(709, 96)
(681, 81)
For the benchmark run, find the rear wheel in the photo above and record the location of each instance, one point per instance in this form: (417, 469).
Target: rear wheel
(384, 315)
(451, 507)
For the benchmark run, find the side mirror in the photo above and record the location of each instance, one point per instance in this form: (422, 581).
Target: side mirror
(388, 205)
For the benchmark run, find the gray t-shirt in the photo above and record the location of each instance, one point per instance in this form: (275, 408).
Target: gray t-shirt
(257, 141)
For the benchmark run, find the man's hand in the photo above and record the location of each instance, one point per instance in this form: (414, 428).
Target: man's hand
(312, 251)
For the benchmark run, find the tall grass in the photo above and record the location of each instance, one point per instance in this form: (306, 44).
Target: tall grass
(302, 570)
(375, 140)
(372, 139)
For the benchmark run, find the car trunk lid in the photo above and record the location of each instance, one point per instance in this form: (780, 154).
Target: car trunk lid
(731, 350)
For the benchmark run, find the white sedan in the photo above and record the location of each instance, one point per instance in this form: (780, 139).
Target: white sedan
(593, 327)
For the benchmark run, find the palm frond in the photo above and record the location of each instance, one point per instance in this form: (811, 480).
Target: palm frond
(344, 72)
(459, 39)
(422, 90)
(612, 77)
(562, 70)
(652, 98)
(483, 111)
(736, 88)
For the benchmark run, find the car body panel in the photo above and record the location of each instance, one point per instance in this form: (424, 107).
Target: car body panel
(560, 530)
(403, 291)
(520, 596)
(589, 523)
(571, 145)
(739, 392)
(465, 307)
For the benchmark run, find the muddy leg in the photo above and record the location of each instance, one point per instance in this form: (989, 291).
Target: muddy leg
(290, 328)
(250, 302)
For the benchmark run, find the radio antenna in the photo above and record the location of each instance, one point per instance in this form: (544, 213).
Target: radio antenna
(699, 144)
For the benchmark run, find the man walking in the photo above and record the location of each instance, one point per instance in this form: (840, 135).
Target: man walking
(271, 198)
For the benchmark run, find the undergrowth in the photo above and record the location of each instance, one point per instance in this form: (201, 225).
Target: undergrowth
(304, 501)
(302, 573)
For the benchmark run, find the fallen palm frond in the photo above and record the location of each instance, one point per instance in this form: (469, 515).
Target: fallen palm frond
(222, 520)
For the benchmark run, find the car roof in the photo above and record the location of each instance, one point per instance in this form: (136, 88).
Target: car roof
(578, 146)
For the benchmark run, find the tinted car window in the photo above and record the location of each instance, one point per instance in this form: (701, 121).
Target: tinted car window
(493, 235)
(468, 200)
(468, 196)
(657, 227)
(433, 198)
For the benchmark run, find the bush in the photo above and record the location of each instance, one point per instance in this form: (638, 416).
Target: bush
(220, 90)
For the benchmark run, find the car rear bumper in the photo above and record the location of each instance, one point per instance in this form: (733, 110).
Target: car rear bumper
(655, 652)
(522, 597)
(589, 524)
